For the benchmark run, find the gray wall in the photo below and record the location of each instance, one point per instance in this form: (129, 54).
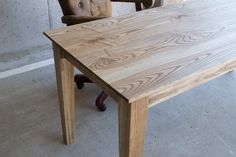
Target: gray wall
(23, 21)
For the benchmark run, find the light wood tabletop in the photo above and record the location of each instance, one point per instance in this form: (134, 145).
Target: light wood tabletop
(144, 58)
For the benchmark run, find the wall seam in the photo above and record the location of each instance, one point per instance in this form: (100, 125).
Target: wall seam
(49, 15)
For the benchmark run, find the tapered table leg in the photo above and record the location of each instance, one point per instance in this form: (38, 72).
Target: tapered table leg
(65, 85)
(132, 126)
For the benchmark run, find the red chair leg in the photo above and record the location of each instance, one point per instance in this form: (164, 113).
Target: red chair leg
(100, 101)
(80, 79)
(138, 6)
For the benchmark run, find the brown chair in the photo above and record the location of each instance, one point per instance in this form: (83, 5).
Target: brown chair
(79, 11)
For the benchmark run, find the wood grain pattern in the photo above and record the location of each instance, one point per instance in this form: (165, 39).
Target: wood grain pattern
(132, 126)
(158, 52)
(65, 85)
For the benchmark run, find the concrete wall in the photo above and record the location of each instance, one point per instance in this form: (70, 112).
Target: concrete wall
(23, 21)
(166, 2)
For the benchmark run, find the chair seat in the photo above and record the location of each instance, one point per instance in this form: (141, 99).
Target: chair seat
(74, 19)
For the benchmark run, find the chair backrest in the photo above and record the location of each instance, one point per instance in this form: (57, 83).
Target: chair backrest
(86, 7)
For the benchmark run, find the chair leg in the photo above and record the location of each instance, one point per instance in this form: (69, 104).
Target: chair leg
(138, 6)
(80, 79)
(100, 101)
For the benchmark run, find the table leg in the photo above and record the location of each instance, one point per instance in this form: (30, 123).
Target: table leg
(132, 126)
(65, 85)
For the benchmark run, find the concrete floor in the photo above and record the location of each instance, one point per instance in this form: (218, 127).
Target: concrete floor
(198, 123)
(10, 61)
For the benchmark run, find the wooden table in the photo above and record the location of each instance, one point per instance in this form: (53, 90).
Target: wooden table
(144, 58)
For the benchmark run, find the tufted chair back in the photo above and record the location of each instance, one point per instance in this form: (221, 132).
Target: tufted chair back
(86, 7)
(80, 11)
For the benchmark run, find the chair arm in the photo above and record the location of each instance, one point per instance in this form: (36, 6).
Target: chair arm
(73, 19)
(127, 1)
(146, 3)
